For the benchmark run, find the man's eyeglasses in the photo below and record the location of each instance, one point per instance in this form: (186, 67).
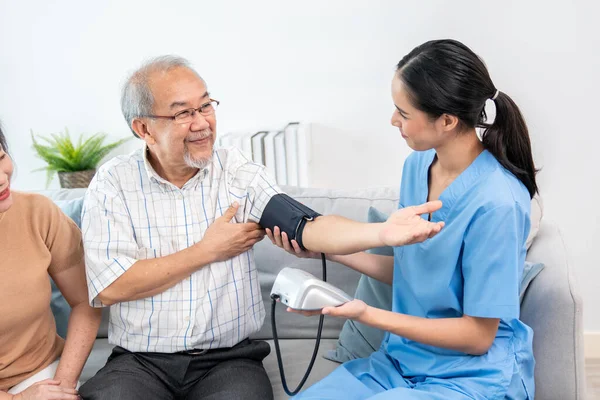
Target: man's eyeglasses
(187, 115)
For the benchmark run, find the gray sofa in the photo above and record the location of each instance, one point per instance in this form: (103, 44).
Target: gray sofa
(552, 305)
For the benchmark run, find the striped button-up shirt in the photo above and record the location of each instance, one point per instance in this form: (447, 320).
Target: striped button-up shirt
(130, 213)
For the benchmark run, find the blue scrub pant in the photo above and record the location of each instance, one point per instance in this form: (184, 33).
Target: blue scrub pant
(377, 378)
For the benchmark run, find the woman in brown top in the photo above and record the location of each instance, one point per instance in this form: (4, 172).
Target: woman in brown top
(37, 240)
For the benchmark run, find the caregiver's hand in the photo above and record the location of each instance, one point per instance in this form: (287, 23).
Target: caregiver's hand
(354, 309)
(280, 239)
(406, 226)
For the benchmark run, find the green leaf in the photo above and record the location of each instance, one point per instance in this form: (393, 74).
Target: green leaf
(62, 155)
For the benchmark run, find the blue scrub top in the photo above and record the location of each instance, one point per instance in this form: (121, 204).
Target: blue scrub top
(472, 267)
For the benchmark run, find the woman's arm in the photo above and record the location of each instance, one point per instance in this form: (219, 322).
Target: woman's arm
(333, 234)
(373, 265)
(471, 335)
(376, 266)
(83, 325)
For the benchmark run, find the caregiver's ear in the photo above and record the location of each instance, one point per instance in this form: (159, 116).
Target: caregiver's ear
(447, 122)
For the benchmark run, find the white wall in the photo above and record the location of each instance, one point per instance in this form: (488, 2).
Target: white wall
(325, 62)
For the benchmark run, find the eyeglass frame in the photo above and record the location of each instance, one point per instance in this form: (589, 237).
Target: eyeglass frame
(193, 110)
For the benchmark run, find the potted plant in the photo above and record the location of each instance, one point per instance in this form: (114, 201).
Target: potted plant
(75, 163)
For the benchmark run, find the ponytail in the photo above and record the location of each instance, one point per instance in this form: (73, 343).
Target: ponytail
(508, 140)
(446, 77)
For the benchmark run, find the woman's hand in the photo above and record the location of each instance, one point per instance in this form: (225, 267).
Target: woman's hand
(48, 389)
(406, 226)
(354, 309)
(280, 239)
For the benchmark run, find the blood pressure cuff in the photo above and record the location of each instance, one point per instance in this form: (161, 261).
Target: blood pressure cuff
(289, 215)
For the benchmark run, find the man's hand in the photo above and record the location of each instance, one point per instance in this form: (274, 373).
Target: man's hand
(225, 240)
(48, 389)
(406, 226)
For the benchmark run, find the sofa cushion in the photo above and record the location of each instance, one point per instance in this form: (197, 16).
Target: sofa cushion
(60, 308)
(530, 271)
(537, 212)
(295, 355)
(72, 208)
(96, 360)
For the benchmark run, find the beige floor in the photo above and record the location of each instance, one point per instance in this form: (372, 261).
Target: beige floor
(592, 369)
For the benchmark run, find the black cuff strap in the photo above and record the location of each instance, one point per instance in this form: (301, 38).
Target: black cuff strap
(289, 215)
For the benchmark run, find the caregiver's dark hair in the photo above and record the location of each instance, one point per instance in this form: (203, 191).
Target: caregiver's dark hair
(3, 140)
(446, 77)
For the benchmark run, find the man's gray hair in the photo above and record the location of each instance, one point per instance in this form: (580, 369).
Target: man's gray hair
(136, 97)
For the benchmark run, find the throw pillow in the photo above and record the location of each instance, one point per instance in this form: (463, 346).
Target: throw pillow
(72, 208)
(530, 271)
(58, 304)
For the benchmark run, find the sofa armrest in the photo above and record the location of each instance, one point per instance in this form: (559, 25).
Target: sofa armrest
(552, 307)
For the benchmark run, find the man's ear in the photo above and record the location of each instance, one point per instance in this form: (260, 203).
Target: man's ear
(448, 122)
(141, 130)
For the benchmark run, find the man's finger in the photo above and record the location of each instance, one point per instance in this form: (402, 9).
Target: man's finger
(230, 213)
(428, 207)
(251, 226)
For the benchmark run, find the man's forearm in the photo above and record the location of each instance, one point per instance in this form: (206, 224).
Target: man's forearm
(332, 234)
(6, 396)
(149, 277)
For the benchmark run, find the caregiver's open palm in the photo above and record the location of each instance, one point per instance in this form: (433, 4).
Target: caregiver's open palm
(406, 226)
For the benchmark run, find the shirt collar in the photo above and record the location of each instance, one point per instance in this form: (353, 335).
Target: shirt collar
(163, 183)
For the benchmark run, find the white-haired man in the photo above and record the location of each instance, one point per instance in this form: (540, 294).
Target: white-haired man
(168, 233)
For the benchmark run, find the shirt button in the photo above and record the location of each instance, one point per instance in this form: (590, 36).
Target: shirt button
(186, 319)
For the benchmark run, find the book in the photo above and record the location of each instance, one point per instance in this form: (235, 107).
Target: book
(291, 153)
(257, 147)
(303, 140)
(280, 158)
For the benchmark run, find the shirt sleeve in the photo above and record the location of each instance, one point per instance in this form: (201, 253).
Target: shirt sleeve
(108, 235)
(492, 263)
(63, 240)
(252, 187)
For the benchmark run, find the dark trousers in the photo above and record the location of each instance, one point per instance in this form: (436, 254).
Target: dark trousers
(230, 374)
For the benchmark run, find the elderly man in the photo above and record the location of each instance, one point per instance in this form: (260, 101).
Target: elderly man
(168, 233)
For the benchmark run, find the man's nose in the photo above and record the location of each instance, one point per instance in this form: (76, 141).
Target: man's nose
(199, 122)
